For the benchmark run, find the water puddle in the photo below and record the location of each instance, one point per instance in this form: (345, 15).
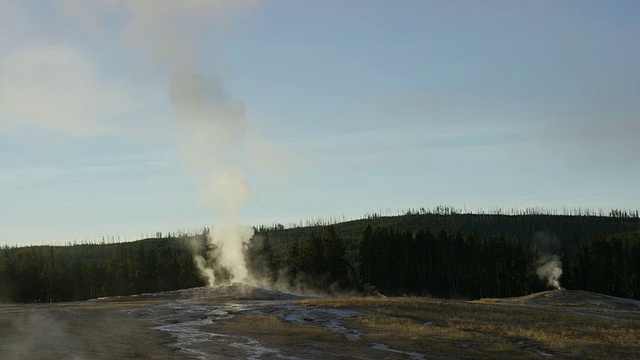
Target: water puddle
(385, 347)
(539, 351)
(601, 316)
(255, 350)
(332, 319)
(186, 321)
(534, 349)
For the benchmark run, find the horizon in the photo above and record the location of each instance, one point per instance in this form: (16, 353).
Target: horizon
(329, 221)
(129, 118)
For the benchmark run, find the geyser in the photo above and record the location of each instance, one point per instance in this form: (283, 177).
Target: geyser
(216, 127)
(217, 142)
(550, 269)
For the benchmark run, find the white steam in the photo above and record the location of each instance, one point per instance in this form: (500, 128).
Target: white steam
(169, 45)
(550, 269)
(205, 270)
(216, 128)
(214, 131)
(65, 84)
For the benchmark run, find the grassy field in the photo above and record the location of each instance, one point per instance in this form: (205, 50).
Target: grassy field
(491, 331)
(265, 325)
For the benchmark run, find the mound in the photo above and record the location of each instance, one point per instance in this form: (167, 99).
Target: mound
(236, 291)
(570, 298)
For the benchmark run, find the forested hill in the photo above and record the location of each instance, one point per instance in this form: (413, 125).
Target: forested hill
(453, 255)
(441, 253)
(522, 229)
(79, 272)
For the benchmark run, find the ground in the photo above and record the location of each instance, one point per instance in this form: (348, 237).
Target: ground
(241, 322)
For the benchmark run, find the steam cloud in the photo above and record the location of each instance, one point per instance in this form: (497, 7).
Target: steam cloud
(550, 269)
(218, 143)
(216, 136)
(216, 127)
(38, 333)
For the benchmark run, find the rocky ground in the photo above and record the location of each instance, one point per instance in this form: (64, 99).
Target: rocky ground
(79, 331)
(242, 322)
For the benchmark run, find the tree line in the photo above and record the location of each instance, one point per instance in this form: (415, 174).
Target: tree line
(48, 274)
(468, 266)
(401, 258)
(452, 265)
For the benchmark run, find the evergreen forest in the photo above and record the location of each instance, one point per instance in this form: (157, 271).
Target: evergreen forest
(438, 253)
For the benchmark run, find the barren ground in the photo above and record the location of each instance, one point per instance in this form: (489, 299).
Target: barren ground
(249, 323)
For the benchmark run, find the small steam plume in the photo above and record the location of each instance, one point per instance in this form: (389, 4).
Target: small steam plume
(550, 269)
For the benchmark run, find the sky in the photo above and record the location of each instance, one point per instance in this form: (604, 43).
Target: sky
(120, 119)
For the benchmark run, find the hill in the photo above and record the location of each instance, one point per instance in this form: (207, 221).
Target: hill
(443, 254)
(520, 228)
(571, 299)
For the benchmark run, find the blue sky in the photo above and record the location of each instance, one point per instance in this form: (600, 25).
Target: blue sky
(117, 117)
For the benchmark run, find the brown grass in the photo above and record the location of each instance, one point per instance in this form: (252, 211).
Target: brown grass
(266, 325)
(490, 331)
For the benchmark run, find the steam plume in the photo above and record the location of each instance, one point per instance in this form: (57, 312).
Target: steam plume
(216, 127)
(550, 269)
(164, 36)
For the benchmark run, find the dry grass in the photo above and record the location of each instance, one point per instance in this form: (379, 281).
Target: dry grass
(272, 325)
(491, 331)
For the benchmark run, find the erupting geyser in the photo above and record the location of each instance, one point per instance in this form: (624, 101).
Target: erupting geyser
(217, 142)
(216, 128)
(225, 255)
